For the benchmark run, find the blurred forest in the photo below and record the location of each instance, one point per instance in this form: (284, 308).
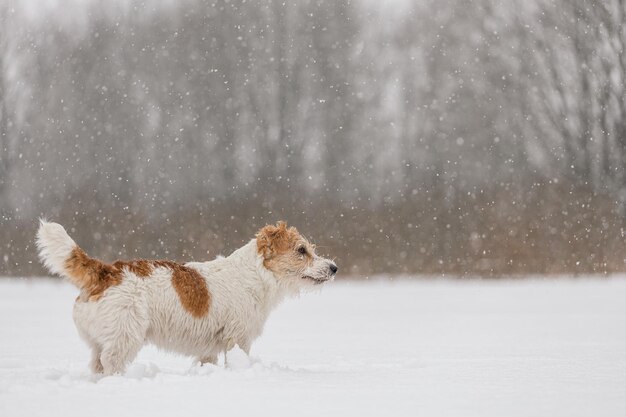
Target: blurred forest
(479, 137)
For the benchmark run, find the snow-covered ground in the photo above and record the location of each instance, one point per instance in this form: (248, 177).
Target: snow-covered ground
(480, 348)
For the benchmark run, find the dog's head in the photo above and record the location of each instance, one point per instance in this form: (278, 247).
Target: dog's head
(291, 257)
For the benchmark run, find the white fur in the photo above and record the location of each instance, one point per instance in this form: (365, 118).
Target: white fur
(144, 310)
(54, 245)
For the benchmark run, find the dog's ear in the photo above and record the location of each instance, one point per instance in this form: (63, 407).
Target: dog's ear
(271, 239)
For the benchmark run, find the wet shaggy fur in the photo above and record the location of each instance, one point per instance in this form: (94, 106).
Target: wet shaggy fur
(198, 308)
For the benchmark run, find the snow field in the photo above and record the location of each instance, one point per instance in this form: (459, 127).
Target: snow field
(404, 348)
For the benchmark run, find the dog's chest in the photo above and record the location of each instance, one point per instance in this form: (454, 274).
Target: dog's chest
(242, 324)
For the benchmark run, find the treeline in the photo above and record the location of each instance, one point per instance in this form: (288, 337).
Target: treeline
(425, 137)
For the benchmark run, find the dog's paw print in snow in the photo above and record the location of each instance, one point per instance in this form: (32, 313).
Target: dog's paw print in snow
(236, 358)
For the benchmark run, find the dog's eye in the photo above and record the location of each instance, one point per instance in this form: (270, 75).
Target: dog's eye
(302, 250)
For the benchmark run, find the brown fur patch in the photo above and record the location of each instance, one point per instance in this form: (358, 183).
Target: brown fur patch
(278, 246)
(94, 277)
(90, 275)
(140, 267)
(191, 288)
(272, 240)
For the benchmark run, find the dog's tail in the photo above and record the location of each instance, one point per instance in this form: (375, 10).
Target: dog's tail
(62, 256)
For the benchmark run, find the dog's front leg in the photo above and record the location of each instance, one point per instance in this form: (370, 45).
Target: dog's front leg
(245, 346)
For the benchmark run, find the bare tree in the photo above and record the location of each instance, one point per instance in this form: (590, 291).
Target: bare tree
(4, 111)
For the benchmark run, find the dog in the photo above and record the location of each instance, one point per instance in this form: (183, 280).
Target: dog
(200, 309)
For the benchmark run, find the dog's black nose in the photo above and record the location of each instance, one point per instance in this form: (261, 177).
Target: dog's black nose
(333, 269)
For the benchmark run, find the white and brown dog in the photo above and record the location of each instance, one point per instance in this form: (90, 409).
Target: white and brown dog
(197, 308)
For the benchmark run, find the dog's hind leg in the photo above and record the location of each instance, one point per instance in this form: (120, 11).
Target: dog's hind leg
(123, 335)
(96, 350)
(116, 355)
(95, 364)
